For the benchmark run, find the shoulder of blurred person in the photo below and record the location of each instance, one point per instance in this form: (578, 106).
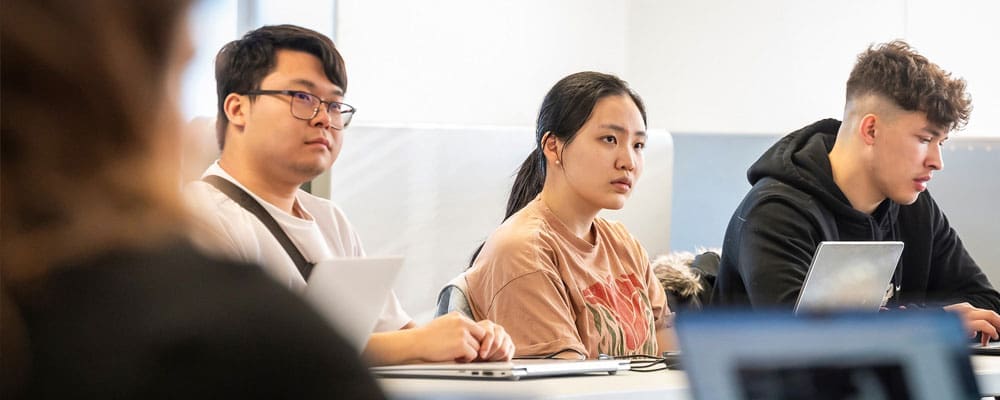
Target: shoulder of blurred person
(171, 322)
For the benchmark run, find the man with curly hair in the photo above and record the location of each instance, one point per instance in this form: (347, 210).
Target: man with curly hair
(863, 179)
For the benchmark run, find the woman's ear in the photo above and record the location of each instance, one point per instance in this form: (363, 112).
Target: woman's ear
(551, 146)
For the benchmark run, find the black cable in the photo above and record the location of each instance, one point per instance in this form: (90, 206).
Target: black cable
(637, 362)
(546, 356)
(649, 363)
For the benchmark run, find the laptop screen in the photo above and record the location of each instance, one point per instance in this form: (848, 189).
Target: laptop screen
(899, 355)
(849, 276)
(350, 293)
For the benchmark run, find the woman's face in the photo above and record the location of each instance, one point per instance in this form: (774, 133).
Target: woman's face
(603, 162)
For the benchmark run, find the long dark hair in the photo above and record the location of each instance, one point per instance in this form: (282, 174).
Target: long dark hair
(565, 109)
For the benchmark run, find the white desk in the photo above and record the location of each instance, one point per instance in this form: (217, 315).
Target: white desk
(987, 370)
(661, 385)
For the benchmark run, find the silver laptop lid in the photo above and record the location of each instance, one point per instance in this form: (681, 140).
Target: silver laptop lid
(510, 370)
(849, 276)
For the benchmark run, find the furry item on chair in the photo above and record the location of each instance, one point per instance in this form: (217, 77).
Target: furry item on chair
(674, 272)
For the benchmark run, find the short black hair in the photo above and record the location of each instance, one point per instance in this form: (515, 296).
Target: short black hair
(242, 64)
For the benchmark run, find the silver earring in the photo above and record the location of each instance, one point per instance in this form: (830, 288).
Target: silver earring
(557, 162)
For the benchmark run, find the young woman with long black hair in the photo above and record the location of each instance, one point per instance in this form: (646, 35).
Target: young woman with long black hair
(563, 281)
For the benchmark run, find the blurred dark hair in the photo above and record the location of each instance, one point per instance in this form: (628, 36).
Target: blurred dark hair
(87, 103)
(895, 71)
(242, 64)
(566, 107)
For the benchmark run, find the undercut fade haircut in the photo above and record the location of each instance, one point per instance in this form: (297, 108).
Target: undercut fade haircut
(897, 72)
(242, 64)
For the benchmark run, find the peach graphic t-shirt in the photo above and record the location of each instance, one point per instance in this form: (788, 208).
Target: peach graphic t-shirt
(553, 291)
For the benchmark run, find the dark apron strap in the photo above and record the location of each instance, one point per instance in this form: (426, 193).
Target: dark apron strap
(246, 201)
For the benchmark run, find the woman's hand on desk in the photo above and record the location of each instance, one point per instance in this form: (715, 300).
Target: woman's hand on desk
(977, 320)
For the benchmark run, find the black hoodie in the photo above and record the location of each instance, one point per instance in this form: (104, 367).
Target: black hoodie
(794, 204)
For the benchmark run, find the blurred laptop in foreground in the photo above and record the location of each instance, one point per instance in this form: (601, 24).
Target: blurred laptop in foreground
(900, 355)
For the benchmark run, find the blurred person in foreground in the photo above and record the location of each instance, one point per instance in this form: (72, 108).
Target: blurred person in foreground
(103, 297)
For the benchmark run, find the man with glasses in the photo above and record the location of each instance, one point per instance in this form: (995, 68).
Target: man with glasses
(281, 121)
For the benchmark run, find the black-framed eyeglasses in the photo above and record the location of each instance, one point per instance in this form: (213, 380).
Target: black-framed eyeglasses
(305, 105)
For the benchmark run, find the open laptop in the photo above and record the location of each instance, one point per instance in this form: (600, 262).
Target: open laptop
(849, 276)
(990, 349)
(509, 370)
(350, 293)
(901, 355)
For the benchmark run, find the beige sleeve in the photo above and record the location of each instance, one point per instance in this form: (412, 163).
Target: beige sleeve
(535, 311)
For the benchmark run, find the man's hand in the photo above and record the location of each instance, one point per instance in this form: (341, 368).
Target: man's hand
(495, 344)
(977, 320)
(454, 337)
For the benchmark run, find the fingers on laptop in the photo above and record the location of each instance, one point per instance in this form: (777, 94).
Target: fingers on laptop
(471, 348)
(451, 337)
(487, 344)
(466, 348)
(495, 344)
(505, 347)
(473, 335)
(483, 340)
(978, 320)
(986, 331)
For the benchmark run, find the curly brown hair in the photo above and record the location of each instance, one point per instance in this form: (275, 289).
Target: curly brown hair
(896, 71)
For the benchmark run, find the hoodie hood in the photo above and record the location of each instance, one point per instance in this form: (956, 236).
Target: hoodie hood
(801, 160)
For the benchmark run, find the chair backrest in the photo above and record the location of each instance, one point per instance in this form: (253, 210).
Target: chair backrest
(454, 297)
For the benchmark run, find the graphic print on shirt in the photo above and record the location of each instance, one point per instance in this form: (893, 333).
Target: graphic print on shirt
(623, 316)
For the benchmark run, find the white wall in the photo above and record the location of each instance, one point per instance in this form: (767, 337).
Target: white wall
(750, 67)
(769, 66)
(963, 37)
(318, 15)
(716, 66)
(479, 62)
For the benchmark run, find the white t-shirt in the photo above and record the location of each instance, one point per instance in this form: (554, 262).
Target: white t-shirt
(326, 234)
